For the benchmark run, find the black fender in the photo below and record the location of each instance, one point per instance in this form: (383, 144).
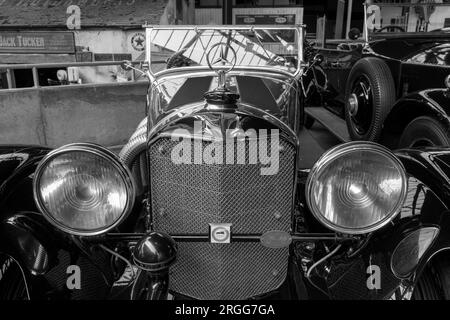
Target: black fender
(46, 257)
(24, 233)
(434, 103)
(427, 205)
(27, 239)
(43, 252)
(431, 167)
(18, 213)
(17, 163)
(17, 208)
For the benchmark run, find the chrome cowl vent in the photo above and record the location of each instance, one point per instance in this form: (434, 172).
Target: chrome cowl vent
(186, 198)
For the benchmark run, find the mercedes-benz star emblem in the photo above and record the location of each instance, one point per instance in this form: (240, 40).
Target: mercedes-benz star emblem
(226, 57)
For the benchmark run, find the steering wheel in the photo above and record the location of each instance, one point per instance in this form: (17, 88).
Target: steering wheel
(401, 29)
(178, 60)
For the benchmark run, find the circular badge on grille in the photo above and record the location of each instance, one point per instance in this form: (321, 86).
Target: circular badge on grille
(276, 239)
(220, 232)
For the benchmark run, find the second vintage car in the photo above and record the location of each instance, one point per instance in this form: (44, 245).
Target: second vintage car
(392, 83)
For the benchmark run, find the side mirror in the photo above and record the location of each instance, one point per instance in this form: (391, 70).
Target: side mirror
(126, 65)
(354, 34)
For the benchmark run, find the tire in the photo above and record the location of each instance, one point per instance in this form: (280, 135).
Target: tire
(424, 131)
(12, 284)
(434, 283)
(371, 85)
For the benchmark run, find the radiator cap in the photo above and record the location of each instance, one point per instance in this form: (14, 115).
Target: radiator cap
(221, 98)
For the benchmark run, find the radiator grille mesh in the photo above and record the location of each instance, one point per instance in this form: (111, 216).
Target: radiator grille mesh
(187, 197)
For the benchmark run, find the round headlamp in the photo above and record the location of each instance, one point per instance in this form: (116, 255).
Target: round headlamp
(356, 187)
(83, 189)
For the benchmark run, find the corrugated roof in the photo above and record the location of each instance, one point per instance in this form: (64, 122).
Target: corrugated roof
(94, 13)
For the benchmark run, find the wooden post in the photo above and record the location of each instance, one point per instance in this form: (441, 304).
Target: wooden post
(339, 19)
(321, 31)
(35, 77)
(349, 17)
(9, 78)
(191, 12)
(227, 13)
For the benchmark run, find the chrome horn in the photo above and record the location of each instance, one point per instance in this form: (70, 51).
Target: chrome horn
(154, 254)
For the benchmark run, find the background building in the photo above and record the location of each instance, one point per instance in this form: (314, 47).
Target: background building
(340, 14)
(45, 31)
(42, 31)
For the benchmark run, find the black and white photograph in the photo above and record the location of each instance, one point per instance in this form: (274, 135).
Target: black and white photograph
(224, 155)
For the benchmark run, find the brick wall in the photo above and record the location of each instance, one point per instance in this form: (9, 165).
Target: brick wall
(94, 13)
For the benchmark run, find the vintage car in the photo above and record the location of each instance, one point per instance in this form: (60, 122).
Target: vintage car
(391, 85)
(211, 197)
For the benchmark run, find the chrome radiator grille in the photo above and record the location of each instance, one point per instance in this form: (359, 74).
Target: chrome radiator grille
(187, 197)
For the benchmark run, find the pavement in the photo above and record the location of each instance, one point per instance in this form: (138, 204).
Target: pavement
(313, 143)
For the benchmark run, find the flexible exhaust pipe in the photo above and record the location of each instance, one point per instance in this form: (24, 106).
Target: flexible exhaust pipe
(135, 145)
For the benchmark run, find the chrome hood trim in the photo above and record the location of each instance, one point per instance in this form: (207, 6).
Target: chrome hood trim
(217, 124)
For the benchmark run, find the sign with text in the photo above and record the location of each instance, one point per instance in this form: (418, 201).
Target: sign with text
(269, 19)
(275, 19)
(37, 42)
(279, 16)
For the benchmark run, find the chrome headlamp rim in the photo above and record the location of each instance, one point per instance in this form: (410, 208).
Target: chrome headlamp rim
(338, 151)
(97, 150)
